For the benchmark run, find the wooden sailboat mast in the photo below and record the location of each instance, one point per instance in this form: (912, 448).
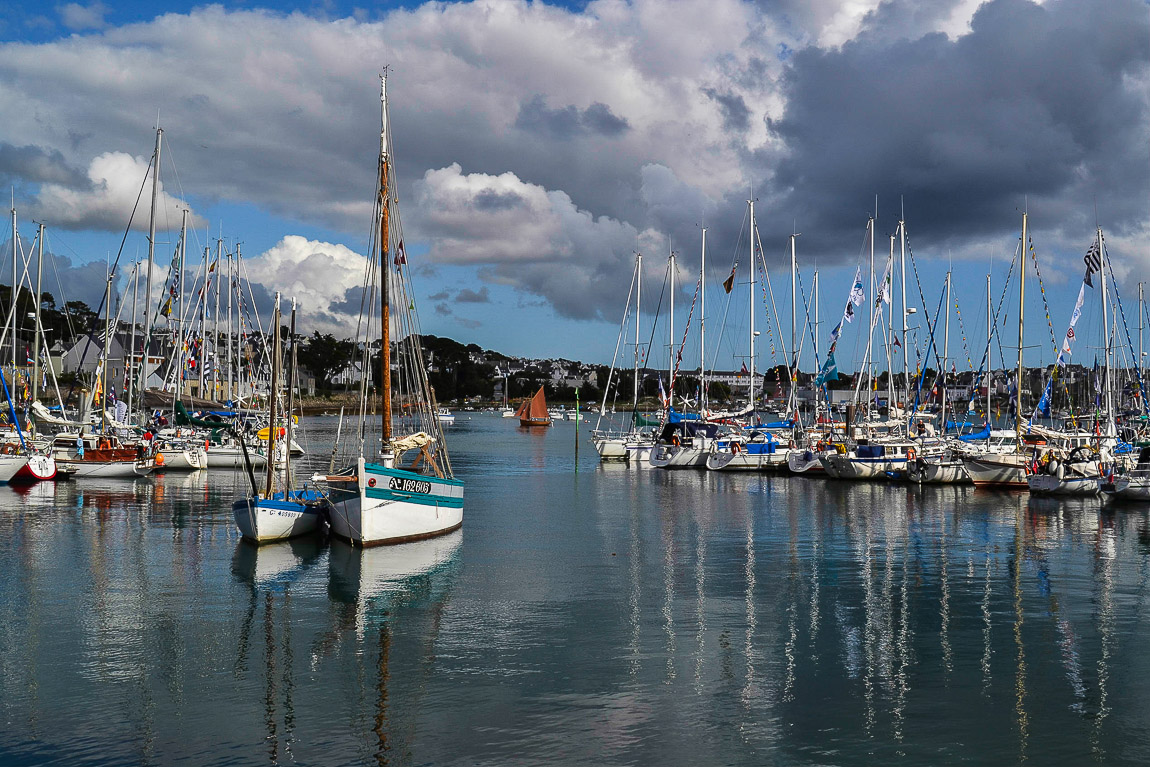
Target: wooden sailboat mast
(1021, 317)
(272, 415)
(384, 267)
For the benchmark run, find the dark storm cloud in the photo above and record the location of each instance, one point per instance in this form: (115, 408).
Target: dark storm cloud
(39, 165)
(491, 200)
(468, 296)
(736, 114)
(567, 122)
(1044, 102)
(351, 303)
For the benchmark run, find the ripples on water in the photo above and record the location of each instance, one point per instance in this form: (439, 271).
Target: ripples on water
(605, 616)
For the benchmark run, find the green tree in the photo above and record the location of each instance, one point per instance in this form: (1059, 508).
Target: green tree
(325, 356)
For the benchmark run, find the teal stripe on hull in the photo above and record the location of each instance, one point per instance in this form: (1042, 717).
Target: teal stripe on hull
(424, 500)
(376, 468)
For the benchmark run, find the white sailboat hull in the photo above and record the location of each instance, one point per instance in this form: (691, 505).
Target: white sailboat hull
(10, 465)
(230, 457)
(680, 456)
(396, 506)
(263, 520)
(1045, 484)
(611, 448)
(726, 460)
(1130, 488)
(106, 469)
(39, 467)
(183, 460)
(805, 462)
(997, 470)
(847, 467)
(940, 472)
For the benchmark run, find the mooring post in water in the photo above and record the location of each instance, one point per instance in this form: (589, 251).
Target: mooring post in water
(576, 430)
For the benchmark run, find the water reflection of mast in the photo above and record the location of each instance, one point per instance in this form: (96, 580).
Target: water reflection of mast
(816, 553)
(869, 623)
(944, 600)
(700, 598)
(381, 707)
(1104, 552)
(902, 647)
(1020, 669)
(792, 607)
(636, 590)
(749, 599)
(986, 624)
(669, 592)
(270, 684)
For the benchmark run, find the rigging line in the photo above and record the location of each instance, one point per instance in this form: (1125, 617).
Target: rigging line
(618, 343)
(993, 331)
(922, 376)
(1125, 326)
(119, 252)
(1049, 324)
(651, 338)
(922, 298)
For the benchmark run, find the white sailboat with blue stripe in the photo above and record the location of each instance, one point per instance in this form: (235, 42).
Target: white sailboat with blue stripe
(406, 492)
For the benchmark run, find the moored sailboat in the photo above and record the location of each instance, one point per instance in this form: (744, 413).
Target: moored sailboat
(375, 501)
(533, 412)
(273, 516)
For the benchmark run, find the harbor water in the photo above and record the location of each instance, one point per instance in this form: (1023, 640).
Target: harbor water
(604, 615)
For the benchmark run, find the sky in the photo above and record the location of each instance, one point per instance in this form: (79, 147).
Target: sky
(540, 146)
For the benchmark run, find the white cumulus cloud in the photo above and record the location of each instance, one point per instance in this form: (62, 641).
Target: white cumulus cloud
(115, 181)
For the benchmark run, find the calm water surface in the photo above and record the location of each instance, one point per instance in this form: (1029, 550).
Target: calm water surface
(605, 616)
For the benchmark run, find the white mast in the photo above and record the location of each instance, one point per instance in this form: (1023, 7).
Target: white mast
(151, 260)
(216, 322)
(890, 340)
(870, 317)
(15, 294)
(1110, 429)
(203, 319)
(132, 339)
(945, 351)
(815, 294)
(231, 395)
(703, 328)
(638, 289)
(989, 359)
(751, 312)
(1021, 317)
(671, 333)
(1141, 354)
(905, 354)
(36, 341)
(178, 338)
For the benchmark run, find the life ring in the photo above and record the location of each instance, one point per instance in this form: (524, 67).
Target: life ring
(910, 454)
(676, 441)
(371, 481)
(736, 447)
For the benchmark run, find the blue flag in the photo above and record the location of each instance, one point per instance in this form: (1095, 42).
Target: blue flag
(829, 371)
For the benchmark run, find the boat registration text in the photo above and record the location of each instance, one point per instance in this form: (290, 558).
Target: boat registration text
(402, 485)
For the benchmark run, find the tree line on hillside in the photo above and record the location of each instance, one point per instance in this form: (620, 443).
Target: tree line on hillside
(61, 323)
